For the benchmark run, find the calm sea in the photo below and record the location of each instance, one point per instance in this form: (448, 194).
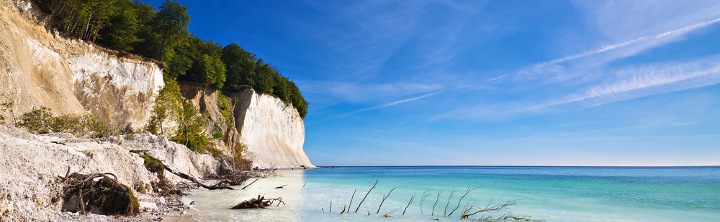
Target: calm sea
(544, 193)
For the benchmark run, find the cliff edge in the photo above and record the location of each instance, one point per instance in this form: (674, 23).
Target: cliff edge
(271, 131)
(71, 76)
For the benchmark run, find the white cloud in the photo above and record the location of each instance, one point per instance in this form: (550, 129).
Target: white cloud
(396, 102)
(367, 92)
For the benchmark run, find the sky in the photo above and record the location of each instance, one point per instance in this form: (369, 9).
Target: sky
(525, 82)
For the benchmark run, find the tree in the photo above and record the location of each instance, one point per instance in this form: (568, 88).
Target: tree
(240, 66)
(264, 82)
(148, 43)
(207, 66)
(167, 105)
(282, 88)
(121, 31)
(297, 100)
(171, 21)
(190, 130)
(213, 70)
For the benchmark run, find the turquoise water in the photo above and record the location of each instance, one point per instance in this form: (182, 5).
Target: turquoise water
(545, 193)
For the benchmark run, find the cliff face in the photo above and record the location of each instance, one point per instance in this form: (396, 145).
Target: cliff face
(272, 131)
(70, 76)
(38, 68)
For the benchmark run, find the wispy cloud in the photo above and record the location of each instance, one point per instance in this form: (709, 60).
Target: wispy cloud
(609, 84)
(395, 103)
(364, 92)
(676, 33)
(633, 82)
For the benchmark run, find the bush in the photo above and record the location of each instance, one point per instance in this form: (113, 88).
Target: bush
(36, 121)
(42, 121)
(190, 131)
(240, 161)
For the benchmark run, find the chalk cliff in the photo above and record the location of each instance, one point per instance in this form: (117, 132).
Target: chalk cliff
(70, 76)
(272, 131)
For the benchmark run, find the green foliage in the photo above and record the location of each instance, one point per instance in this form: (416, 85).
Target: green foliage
(245, 70)
(239, 160)
(42, 121)
(213, 69)
(120, 31)
(162, 34)
(95, 127)
(216, 153)
(66, 123)
(223, 104)
(217, 133)
(37, 120)
(167, 105)
(240, 67)
(190, 130)
(152, 164)
(171, 23)
(84, 18)
(265, 80)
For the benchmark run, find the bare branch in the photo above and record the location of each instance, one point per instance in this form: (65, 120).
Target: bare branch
(351, 199)
(383, 200)
(409, 202)
(436, 201)
(422, 200)
(448, 201)
(366, 194)
(461, 198)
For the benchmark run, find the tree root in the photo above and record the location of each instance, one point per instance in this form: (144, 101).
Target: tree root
(98, 193)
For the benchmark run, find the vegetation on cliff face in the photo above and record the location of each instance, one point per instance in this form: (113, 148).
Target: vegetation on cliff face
(162, 34)
(41, 120)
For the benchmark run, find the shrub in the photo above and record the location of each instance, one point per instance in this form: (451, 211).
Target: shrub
(36, 121)
(240, 161)
(190, 131)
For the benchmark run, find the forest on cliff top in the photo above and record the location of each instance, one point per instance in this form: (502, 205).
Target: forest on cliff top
(162, 34)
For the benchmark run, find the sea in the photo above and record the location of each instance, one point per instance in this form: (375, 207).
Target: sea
(454, 193)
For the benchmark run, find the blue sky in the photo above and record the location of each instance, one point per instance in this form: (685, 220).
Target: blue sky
(491, 82)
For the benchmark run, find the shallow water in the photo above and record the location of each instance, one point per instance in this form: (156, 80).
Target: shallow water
(546, 193)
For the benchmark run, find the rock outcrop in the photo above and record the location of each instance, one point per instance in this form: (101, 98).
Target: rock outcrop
(271, 131)
(70, 76)
(29, 186)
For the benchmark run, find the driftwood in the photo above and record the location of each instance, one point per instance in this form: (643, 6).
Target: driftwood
(194, 180)
(448, 201)
(383, 200)
(366, 194)
(461, 198)
(259, 202)
(351, 199)
(246, 186)
(409, 202)
(436, 201)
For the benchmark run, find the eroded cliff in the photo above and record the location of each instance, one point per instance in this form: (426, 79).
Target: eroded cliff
(70, 76)
(272, 132)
